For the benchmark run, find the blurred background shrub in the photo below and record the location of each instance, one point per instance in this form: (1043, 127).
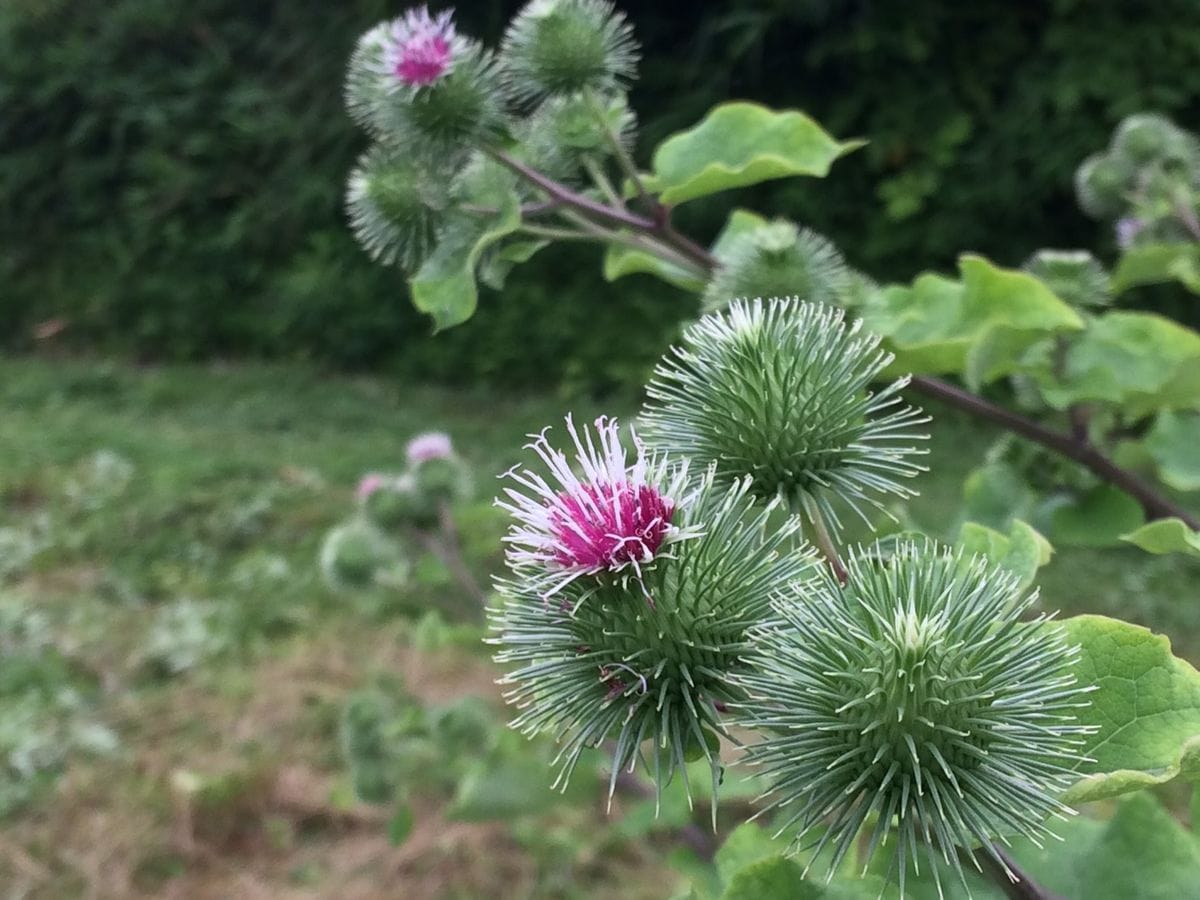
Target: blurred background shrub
(173, 173)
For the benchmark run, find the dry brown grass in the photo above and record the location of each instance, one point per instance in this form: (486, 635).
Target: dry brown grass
(122, 828)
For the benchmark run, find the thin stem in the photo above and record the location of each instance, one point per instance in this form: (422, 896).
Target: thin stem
(602, 182)
(645, 242)
(557, 234)
(565, 195)
(624, 160)
(822, 538)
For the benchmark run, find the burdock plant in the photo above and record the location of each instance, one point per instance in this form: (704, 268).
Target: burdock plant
(913, 701)
(779, 392)
(678, 588)
(631, 593)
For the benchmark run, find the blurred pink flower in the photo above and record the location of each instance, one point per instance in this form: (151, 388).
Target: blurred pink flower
(422, 46)
(369, 484)
(430, 445)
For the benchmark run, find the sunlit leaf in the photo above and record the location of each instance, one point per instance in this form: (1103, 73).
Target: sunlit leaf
(739, 144)
(1146, 709)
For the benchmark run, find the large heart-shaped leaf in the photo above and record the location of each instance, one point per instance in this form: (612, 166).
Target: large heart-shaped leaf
(739, 144)
(1146, 709)
(1141, 853)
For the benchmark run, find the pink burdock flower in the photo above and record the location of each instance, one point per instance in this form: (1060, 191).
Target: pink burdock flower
(422, 47)
(430, 445)
(1128, 229)
(615, 517)
(369, 484)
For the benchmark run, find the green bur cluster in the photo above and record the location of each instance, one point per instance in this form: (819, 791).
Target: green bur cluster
(1149, 174)
(779, 259)
(646, 664)
(559, 47)
(913, 700)
(778, 391)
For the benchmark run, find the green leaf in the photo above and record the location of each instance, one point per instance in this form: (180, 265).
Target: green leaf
(1146, 709)
(512, 786)
(1174, 445)
(1142, 362)
(444, 286)
(1141, 853)
(738, 144)
(1097, 518)
(781, 878)
(740, 222)
(1022, 551)
(933, 326)
(620, 261)
(1166, 536)
(400, 825)
(1156, 263)
(995, 494)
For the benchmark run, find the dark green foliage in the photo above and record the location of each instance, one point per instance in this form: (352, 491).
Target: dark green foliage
(174, 174)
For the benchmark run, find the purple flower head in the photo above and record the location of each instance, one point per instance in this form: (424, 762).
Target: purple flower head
(615, 517)
(369, 484)
(422, 46)
(430, 445)
(1128, 229)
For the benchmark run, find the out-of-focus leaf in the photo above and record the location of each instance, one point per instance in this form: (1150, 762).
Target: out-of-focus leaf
(1098, 518)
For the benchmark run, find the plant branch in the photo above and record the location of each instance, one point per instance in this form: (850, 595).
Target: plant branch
(645, 242)
(624, 160)
(662, 236)
(1024, 888)
(1081, 451)
(563, 194)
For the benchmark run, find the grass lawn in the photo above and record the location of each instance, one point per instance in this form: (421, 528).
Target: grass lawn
(175, 678)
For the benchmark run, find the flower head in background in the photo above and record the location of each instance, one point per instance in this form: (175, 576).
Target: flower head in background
(913, 700)
(427, 446)
(1127, 229)
(615, 517)
(422, 46)
(560, 47)
(368, 485)
(422, 88)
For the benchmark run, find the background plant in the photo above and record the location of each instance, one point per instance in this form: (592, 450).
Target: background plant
(115, 222)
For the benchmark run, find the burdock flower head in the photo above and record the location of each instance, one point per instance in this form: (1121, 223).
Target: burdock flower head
(778, 259)
(778, 392)
(1074, 275)
(560, 47)
(428, 445)
(914, 697)
(416, 83)
(421, 47)
(628, 602)
(615, 517)
(396, 205)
